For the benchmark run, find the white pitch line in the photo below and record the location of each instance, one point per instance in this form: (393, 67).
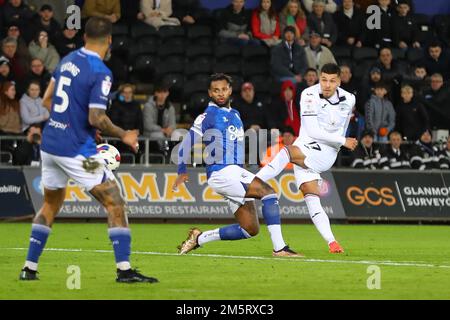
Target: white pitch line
(363, 262)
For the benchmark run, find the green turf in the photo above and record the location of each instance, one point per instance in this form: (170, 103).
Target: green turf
(204, 277)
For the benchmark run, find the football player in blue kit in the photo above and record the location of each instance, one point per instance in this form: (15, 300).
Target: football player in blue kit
(77, 97)
(221, 129)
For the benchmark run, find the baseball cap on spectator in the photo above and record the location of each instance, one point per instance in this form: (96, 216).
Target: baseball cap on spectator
(314, 33)
(247, 86)
(46, 7)
(367, 132)
(375, 70)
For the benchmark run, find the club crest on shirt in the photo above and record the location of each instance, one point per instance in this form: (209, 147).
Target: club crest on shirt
(106, 86)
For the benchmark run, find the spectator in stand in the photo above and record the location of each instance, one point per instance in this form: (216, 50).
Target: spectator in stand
(380, 114)
(392, 71)
(14, 31)
(253, 112)
(347, 81)
(44, 20)
(323, 23)
(425, 155)
(357, 123)
(437, 60)
(311, 77)
(158, 13)
(39, 74)
(41, 48)
(396, 155)
(109, 9)
(188, 12)
(126, 112)
(32, 112)
(159, 115)
(293, 15)
(18, 12)
(28, 153)
(317, 55)
(10, 122)
(265, 24)
(235, 24)
(330, 5)
(368, 88)
(288, 59)
(19, 64)
(284, 110)
(288, 137)
(412, 117)
(366, 155)
(350, 22)
(130, 11)
(68, 41)
(405, 28)
(383, 36)
(5, 70)
(437, 102)
(418, 79)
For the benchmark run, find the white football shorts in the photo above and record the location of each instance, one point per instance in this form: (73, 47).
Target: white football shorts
(319, 158)
(56, 172)
(229, 182)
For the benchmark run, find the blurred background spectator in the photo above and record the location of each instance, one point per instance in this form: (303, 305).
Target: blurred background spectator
(42, 49)
(396, 154)
(32, 111)
(265, 24)
(317, 55)
(323, 23)
(350, 22)
(10, 122)
(293, 15)
(235, 24)
(284, 110)
(28, 153)
(254, 113)
(366, 155)
(158, 13)
(425, 155)
(109, 9)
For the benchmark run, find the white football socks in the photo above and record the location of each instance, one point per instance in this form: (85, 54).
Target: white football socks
(275, 166)
(276, 236)
(208, 236)
(319, 217)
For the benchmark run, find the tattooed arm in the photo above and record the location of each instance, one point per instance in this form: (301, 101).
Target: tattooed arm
(99, 120)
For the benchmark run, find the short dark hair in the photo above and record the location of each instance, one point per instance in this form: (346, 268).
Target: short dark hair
(311, 70)
(220, 77)
(162, 87)
(288, 129)
(98, 28)
(331, 68)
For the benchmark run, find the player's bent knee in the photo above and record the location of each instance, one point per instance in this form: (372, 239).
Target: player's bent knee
(252, 230)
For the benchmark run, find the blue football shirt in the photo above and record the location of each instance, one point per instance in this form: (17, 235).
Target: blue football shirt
(82, 81)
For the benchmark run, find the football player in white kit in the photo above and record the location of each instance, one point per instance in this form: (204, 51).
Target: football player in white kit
(325, 112)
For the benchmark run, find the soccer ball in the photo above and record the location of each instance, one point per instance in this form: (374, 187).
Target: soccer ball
(110, 155)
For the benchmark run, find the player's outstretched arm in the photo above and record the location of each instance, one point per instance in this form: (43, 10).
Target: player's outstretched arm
(99, 120)
(47, 100)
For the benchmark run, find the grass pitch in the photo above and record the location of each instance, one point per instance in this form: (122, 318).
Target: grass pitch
(414, 263)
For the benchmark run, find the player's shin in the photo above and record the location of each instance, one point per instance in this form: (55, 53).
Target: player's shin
(38, 239)
(319, 217)
(271, 214)
(121, 241)
(233, 232)
(275, 166)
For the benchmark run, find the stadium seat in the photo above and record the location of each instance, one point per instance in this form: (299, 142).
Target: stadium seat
(237, 83)
(250, 69)
(365, 53)
(261, 84)
(228, 68)
(341, 52)
(144, 67)
(362, 69)
(176, 82)
(194, 69)
(141, 29)
(199, 34)
(197, 103)
(426, 30)
(442, 27)
(141, 48)
(194, 86)
(398, 54)
(121, 45)
(171, 32)
(413, 55)
(120, 29)
(166, 50)
(6, 157)
(227, 53)
(253, 52)
(195, 51)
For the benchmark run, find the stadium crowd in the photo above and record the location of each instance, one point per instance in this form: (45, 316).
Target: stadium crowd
(164, 51)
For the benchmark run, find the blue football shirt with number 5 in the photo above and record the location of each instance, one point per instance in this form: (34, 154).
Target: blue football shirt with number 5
(82, 81)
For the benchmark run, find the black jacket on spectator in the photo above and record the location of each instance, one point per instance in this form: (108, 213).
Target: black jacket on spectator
(26, 153)
(64, 46)
(254, 113)
(44, 80)
(349, 27)
(53, 30)
(405, 29)
(382, 37)
(425, 156)
(127, 115)
(366, 158)
(281, 64)
(22, 15)
(442, 65)
(183, 8)
(325, 26)
(438, 107)
(232, 21)
(395, 159)
(444, 159)
(412, 119)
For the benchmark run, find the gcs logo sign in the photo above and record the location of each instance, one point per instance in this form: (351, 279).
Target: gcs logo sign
(372, 196)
